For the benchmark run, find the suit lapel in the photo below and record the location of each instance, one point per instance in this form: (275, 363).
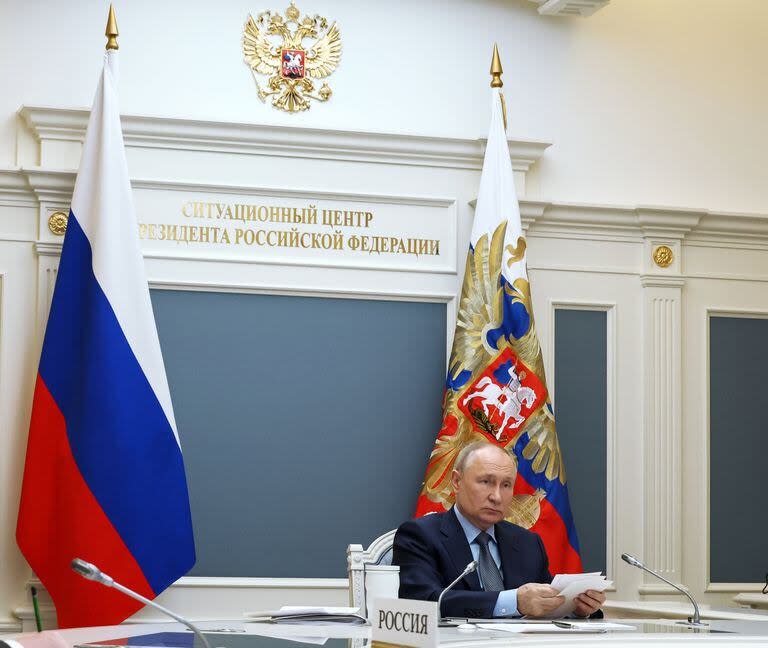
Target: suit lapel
(458, 549)
(505, 540)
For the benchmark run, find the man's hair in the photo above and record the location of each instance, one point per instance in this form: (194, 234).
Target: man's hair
(467, 451)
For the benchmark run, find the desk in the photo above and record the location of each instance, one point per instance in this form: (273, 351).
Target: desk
(649, 632)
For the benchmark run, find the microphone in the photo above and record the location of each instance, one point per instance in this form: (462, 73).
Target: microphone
(92, 572)
(467, 570)
(694, 621)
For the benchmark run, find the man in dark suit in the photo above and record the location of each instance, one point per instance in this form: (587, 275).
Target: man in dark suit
(512, 578)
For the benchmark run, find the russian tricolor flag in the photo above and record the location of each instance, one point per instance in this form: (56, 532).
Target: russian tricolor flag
(104, 477)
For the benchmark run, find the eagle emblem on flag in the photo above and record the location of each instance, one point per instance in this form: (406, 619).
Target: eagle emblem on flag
(293, 50)
(495, 387)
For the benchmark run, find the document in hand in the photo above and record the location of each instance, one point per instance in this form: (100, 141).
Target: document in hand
(305, 614)
(571, 585)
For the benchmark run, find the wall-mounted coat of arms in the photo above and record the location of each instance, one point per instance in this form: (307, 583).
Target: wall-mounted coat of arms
(294, 51)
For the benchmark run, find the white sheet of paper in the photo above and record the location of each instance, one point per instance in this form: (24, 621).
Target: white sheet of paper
(318, 641)
(561, 580)
(602, 625)
(318, 610)
(302, 609)
(571, 585)
(535, 628)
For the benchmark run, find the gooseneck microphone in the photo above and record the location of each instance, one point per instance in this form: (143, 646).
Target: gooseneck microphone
(467, 570)
(695, 620)
(92, 572)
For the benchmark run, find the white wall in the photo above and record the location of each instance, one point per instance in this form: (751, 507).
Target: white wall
(648, 102)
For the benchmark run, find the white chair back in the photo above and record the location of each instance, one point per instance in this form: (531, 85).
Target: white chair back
(378, 553)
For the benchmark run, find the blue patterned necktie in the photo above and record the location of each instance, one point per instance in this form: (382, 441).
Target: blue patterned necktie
(489, 572)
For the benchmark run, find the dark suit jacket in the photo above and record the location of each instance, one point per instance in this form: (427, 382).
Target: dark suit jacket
(433, 550)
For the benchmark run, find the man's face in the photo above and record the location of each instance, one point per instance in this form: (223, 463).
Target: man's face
(484, 489)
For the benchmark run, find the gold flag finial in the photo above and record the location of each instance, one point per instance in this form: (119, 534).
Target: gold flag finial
(111, 32)
(496, 82)
(496, 69)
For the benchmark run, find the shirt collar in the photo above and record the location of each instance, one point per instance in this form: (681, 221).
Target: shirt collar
(470, 530)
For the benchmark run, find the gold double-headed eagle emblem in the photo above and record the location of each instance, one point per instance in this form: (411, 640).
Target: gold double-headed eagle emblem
(294, 62)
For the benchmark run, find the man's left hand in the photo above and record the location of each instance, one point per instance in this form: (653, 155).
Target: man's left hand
(588, 603)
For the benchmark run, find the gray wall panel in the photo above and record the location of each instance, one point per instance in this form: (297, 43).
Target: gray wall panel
(738, 375)
(580, 415)
(306, 423)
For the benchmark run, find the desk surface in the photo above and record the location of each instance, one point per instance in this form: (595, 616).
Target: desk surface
(239, 634)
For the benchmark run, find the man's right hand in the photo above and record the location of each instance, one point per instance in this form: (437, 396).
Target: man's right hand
(535, 599)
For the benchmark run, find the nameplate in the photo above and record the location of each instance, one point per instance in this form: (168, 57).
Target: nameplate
(354, 231)
(403, 622)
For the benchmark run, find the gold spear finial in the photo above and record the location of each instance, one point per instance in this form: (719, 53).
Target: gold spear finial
(111, 32)
(496, 69)
(496, 82)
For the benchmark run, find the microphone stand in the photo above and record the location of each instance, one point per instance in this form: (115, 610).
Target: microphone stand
(467, 570)
(91, 572)
(694, 621)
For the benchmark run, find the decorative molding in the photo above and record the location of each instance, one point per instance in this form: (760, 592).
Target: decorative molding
(713, 311)
(748, 589)
(611, 403)
(661, 281)
(306, 291)
(607, 220)
(10, 626)
(51, 272)
(570, 8)
(540, 218)
(602, 270)
(51, 185)
(291, 192)
(666, 222)
(61, 182)
(736, 588)
(216, 582)
(617, 223)
(726, 224)
(208, 258)
(674, 610)
(14, 190)
(725, 243)
(611, 415)
(62, 124)
(662, 423)
(725, 276)
(287, 263)
(657, 589)
(43, 248)
(759, 601)
(26, 618)
(200, 598)
(47, 269)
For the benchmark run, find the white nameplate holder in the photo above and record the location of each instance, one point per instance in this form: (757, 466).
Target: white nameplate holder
(404, 622)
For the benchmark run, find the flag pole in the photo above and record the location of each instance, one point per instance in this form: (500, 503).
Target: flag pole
(496, 82)
(111, 32)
